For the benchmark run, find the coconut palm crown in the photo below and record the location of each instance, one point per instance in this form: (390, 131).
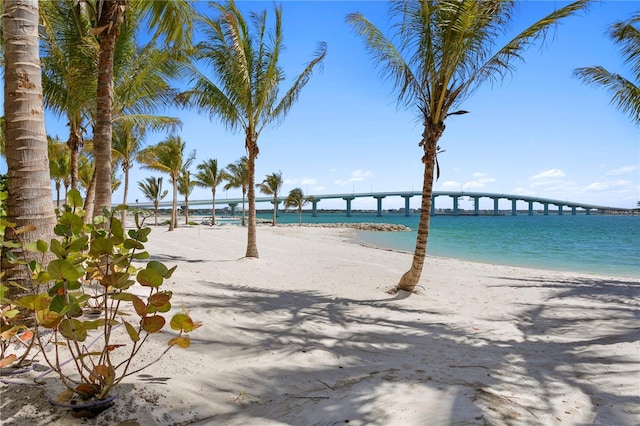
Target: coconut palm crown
(444, 50)
(244, 93)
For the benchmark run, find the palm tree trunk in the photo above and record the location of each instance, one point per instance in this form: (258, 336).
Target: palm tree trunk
(186, 211)
(90, 197)
(110, 11)
(123, 215)
(252, 246)
(30, 200)
(173, 223)
(275, 208)
(74, 144)
(410, 279)
(213, 206)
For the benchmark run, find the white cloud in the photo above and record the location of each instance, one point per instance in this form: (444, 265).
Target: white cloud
(606, 186)
(308, 181)
(551, 173)
(478, 174)
(450, 184)
(360, 175)
(621, 170)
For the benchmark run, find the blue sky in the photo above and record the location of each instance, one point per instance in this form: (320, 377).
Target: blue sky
(539, 132)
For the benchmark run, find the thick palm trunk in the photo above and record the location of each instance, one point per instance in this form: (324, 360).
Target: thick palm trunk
(90, 197)
(30, 200)
(252, 246)
(410, 279)
(186, 211)
(109, 20)
(74, 143)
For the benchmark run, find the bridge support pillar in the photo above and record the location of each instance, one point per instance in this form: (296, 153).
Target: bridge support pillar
(433, 205)
(496, 212)
(276, 207)
(476, 206)
(455, 204)
(348, 200)
(587, 211)
(560, 209)
(233, 208)
(379, 200)
(514, 208)
(530, 208)
(407, 209)
(546, 209)
(573, 211)
(314, 208)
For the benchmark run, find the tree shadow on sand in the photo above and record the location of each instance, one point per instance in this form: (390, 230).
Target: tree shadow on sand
(305, 357)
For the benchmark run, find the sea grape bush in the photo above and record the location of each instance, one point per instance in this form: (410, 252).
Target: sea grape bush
(97, 306)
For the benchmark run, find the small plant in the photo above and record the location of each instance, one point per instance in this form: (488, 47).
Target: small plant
(93, 270)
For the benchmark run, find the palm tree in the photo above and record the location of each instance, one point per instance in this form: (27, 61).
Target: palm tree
(168, 157)
(59, 166)
(237, 176)
(625, 93)
(247, 82)
(69, 71)
(296, 199)
(185, 187)
(151, 188)
(30, 201)
(445, 51)
(170, 19)
(208, 176)
(271, 186)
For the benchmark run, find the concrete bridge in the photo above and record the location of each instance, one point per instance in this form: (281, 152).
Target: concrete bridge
(407, 195)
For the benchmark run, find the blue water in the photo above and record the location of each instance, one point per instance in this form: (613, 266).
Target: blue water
(587, 244)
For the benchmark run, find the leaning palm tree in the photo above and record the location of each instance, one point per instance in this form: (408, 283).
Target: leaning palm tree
(151, 188)
(208, 176)
(296, 199)
(271, 186)
(185, 187)
(30, 202)
(446, 49)
(247, 82)
(237, 176)
(625, 93)
(168, 157)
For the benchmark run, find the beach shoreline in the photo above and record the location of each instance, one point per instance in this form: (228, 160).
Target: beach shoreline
(307, 334)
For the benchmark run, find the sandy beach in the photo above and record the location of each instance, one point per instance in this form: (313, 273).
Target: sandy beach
(308, 335)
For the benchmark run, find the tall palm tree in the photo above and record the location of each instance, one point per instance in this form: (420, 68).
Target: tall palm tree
(237, 176)
(168, 157)
(247, 82)
(170, 20)
(185, 187)
(29, 203)
(208, 176)
(69, 71)
(296, 199)
(446, 49)
(59, 166)
(271, 186)
(625, 92)
(151, 188)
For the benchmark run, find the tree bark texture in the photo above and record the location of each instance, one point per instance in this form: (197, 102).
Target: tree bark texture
(30, 200)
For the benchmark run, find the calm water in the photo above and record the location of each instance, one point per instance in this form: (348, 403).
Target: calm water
(588, 244)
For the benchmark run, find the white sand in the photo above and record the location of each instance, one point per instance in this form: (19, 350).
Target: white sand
(307, 335)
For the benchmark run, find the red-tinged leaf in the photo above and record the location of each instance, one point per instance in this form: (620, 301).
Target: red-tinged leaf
(182, 342)
(8, 360)
(114, 347)
(139, 305)
(87, 389)
(48, 319)
(152, 324)
(133, 333)
(26, 336)
(101, 370)
(160, 299)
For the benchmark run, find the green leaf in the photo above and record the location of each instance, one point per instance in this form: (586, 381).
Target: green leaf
(78, 244)
(133, 334)
(42, 246)
(116, 280)
(133, 244)
(182, 322)
(149, 278)
(62, 269)
(72, 329)
(74, 198)
(158, 267)
(141, 255)
(58, 304)
(57, 249)
(61, 230)
(100, 246)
